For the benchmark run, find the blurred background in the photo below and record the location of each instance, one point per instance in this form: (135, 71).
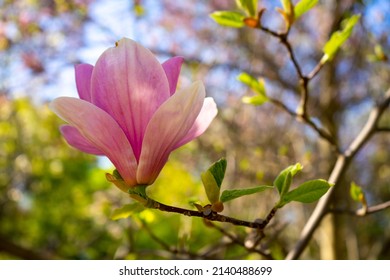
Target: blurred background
(55, 202)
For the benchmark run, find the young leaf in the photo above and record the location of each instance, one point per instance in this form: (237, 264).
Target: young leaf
(378, 55)
(287, 12)
(233, 194)
(248, 6)
(211, 187)
(126, 211)
(212, 179)
(279, 181)
(256, 100)
(218, 170)
(257, 86)
(358, 195)
(286, 185)
(339, 37)
(356, 192)
(228, 18)
(254, 84)
(303, 6)
(308, 192)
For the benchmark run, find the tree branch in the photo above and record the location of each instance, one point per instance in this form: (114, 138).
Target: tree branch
(301, 113)
(343, 160)
(211, 215)
(382, 129)
(363, 212)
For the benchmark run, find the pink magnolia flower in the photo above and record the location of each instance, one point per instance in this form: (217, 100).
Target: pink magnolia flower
(129, 110)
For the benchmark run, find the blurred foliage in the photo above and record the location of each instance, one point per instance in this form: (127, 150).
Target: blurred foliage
(54, 200)
(48, 191)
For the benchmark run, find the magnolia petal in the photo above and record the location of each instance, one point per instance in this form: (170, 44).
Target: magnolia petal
(169, 125)
(83, 81)
(76, 140)
(130, 84)
(202, 122)
(101, 130)
(172, 69)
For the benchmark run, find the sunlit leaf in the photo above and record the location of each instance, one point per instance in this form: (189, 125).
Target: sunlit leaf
(258, 86)
(211, 187)
(228, 18)
(212, 179)
(218, 170)
(126, 211)
(308, 192)
(303, 6)
(233, 194)
(356, 192)
(286, 184)
(280, 180)
(248, 6)
(339, 37)
(255, 100)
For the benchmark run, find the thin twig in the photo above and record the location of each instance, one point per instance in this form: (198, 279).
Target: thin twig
(240, 242)
(315, 70)
(271, 32)
(382, 129)
(286, 43)
(162, 243)
(157, 239)
(301, 113)
(363, 212)
(212, 216)
(306, 119)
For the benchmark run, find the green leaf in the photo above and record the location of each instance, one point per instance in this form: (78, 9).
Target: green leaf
(286, 184)
(308, 192)
(228, 18)
(258, 86)
(356, 192)
(218, 170)
(212, 179)
(303, 6)
(248, 6)
(255, 100)
(339, 37)
(126, 211)
(279, 182)
(211, 187)
(233, 194)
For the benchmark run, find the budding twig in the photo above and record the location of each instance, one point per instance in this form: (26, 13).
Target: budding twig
(301, 114)
(240, 242)
(211, 215)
